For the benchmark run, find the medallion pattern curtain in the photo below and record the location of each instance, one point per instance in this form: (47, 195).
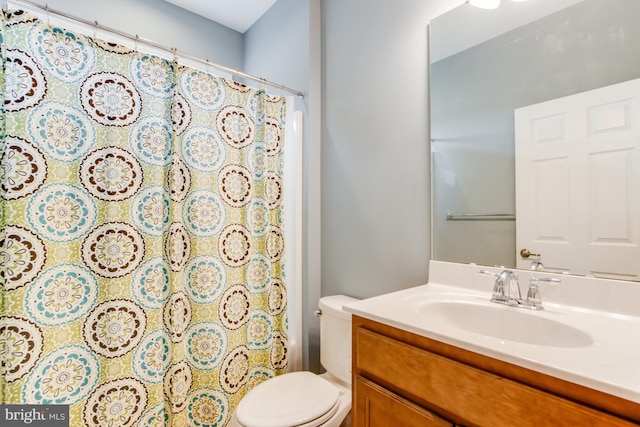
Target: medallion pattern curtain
(141, 240)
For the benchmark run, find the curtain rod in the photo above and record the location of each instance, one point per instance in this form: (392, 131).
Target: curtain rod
(174, 51)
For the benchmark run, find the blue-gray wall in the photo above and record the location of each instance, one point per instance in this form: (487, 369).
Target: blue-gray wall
(277, 45)
(375, 145)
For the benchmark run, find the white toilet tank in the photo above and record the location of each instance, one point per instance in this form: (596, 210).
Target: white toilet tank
(335, 336)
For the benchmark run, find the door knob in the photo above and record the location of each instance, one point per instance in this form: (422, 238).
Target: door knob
(524, 253)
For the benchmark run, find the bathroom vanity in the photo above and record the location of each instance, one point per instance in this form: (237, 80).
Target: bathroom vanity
(417, 362)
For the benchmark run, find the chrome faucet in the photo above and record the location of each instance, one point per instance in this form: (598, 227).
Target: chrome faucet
(506, 290)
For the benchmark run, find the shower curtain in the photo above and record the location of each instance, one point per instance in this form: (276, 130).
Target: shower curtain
(141, 242)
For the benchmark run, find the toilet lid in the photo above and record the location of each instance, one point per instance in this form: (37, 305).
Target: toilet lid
(287, 400)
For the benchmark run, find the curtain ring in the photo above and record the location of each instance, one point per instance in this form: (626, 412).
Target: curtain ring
(264, 85)
(135, 45)
(207, 67)
(175, 54)
(46, 8)
(95, 29)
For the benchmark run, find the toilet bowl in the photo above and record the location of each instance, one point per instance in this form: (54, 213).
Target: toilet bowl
(304, 399)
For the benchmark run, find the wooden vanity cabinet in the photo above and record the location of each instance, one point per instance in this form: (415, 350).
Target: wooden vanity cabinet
(403, 379)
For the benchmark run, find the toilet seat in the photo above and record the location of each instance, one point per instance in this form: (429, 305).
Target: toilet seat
(296, 399)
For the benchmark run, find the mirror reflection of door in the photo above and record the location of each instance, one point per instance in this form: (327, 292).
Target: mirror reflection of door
(578, 180)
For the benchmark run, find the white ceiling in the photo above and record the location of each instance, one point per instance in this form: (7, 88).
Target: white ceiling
(236, 14)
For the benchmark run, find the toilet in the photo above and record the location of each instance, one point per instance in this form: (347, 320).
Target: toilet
(304, 399)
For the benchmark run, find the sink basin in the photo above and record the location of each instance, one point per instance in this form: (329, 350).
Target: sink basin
(505, 323)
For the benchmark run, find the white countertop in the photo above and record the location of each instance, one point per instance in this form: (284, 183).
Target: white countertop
(610, 363)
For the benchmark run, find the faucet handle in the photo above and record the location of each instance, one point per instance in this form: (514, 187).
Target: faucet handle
(553, 280)
(534, 299)
(489, 273)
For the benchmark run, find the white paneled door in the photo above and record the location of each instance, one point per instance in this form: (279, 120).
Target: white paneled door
(578, 182)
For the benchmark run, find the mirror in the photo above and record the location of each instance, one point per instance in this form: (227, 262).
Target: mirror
(484, 65)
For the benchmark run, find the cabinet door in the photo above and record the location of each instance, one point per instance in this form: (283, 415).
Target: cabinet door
(376, 406)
